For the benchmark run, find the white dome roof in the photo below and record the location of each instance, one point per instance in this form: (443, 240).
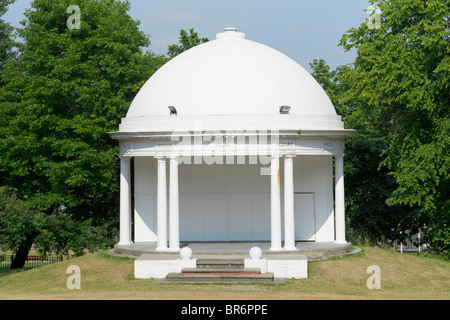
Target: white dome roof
(231, 76)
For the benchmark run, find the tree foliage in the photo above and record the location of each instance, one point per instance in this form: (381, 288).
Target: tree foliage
(397, 92)
(65, 91)
(367, 185)
(7, 42)
(22, 225)
(186, 42)
(19, 221)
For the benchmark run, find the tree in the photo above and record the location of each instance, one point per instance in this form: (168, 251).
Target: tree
(367, 185)
(186, 42)
(64, 92)
(328, 79)
(7, 42)
(398, 90)
(19, 224)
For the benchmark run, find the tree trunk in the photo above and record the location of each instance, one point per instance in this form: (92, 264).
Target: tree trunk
(22, 254)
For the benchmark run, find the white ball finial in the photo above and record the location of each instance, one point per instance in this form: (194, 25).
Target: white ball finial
(186, 253)
(255, 253)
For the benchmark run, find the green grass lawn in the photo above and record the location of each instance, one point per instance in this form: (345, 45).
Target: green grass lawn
(403, 276)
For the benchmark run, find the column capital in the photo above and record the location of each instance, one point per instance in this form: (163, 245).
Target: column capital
(339, 155)
(160, 158)
(125, 158)
(289, 156)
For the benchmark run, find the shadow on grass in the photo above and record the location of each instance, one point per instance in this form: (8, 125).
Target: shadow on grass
(6, 271)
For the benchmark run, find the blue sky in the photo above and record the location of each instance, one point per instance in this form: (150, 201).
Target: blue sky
(302, 29)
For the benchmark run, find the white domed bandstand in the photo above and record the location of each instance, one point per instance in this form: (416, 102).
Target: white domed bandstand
(231, 141)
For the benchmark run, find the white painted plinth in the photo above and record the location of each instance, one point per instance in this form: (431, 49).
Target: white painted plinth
(290, 268)
(146, 267)
(297, 269)
(256, 263)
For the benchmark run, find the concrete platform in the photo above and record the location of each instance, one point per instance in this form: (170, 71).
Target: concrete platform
(216, 268)
(281, 264)
(239, 250)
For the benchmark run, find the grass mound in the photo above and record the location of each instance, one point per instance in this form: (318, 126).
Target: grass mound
(403, 276)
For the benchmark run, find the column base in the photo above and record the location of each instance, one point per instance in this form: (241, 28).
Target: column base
(276, 249)
(161, 249)
(290, 249)
(173, 250)
(124, 243)
(340, 242)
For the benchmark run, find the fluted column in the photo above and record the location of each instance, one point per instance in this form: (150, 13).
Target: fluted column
(174, 223)
(289, 219)
(125, 201)
(161, 226)
(340, 199)
(275, 205)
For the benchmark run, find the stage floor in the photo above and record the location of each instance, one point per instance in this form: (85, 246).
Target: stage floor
(312, 250)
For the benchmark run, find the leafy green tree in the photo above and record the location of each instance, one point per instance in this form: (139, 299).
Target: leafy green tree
(328, 79)
(65, 91)
(187, 41)
(398, 88)
(367, 185)
(7, 42)
(19, 224)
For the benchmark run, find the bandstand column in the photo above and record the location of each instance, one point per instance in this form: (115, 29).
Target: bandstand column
(289, 220)
(174, 206)
(339, 200)
(161, 226)
(125, 201)
(275, 204)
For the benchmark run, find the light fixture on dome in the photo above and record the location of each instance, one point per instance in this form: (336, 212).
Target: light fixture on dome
(173, 111)
(284, 109)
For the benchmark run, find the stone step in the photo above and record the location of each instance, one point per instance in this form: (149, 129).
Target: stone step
(222, 270)
(235, 277)
(220, 263)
